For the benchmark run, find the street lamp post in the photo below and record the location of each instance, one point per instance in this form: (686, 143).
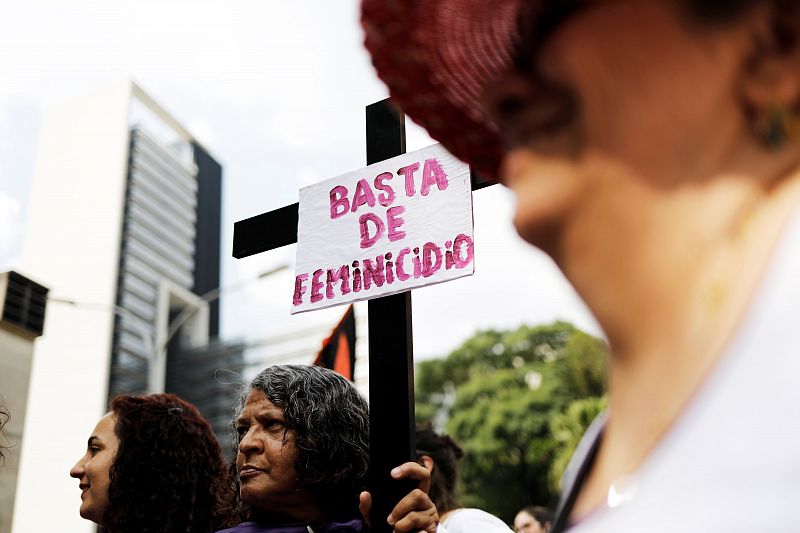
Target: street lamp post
(157, 375)
(145, 334)
(156, 347)
(190, 310)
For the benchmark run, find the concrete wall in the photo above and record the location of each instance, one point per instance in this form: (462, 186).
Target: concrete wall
(16, 353)
(71, 245)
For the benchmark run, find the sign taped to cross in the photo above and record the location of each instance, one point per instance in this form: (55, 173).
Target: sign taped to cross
(399, 224)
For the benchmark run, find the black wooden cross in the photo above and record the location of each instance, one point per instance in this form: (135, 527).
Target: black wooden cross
(391, 354)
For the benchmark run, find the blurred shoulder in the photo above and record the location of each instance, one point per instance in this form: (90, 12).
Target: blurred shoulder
(473, 520)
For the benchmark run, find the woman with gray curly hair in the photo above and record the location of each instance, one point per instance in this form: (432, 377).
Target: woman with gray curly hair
(302, 452)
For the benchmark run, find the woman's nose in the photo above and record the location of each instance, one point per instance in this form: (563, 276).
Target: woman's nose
(78, 470)
(249, 442)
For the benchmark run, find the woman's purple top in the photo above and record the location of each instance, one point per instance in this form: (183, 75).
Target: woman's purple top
(354, 526)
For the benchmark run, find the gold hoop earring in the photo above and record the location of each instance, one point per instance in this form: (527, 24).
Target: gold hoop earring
(776, 125)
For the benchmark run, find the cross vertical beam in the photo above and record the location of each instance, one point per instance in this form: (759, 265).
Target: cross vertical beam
(391, 353)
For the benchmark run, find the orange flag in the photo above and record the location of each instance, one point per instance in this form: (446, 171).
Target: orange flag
(339, 350)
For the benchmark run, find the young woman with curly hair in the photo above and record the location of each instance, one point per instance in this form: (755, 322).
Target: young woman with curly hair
(153, 465)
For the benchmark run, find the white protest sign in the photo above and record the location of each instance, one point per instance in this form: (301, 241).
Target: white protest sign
(396, 225)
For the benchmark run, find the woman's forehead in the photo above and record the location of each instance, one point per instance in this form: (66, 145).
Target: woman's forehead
(258, 403)
(106, 423)
(104, 429)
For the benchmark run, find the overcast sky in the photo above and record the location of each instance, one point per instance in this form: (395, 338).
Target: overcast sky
(276, 90)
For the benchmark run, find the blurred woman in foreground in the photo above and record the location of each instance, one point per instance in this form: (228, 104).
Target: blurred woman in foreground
(153, 465)
(654, 150)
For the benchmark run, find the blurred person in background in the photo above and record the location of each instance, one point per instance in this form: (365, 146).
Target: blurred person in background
(5, 416)
(653, 147)
(440, 454)
(533, 519)
(302, 436)
(153, 465)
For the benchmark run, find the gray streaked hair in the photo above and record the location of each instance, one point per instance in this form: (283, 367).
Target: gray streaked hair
(330, 420)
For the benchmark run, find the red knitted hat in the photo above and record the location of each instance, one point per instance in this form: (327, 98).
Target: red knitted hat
(437, 57)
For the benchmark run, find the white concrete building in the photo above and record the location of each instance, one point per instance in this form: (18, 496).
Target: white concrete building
(124, 228)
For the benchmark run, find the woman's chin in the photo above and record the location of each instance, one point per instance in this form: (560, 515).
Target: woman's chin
(545, 193)
(88, 513)
(541, 232)
(540, 213)
(254, 496)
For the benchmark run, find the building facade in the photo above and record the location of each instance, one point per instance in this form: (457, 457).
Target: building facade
(124, 228)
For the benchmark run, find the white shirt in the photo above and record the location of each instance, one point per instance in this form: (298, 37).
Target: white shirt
(472, 521)
(731, 462)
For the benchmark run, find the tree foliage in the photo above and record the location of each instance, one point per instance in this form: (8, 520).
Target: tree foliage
(517, 401)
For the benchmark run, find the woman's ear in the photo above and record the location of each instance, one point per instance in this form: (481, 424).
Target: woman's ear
(772, 76)
(427, 462)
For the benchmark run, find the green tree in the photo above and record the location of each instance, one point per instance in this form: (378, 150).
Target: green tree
(509, 398)
(567, 429)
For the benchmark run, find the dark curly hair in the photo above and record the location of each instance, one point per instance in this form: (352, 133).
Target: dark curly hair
(169, 473)
(446, 453)
(5, 416)
(331, 424)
